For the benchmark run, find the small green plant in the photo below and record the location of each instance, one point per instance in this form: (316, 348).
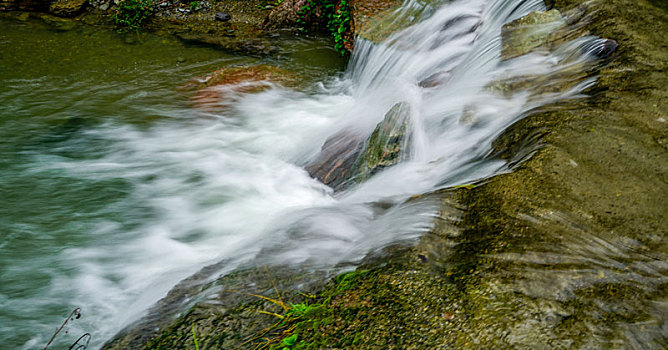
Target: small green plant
(194, 5)
(195, 338)
(297, 321)
(336, 14)
(132, 14)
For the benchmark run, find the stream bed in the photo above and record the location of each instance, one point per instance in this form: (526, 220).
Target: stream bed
(118, 182)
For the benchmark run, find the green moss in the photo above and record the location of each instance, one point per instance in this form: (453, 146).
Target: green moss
(387, 143)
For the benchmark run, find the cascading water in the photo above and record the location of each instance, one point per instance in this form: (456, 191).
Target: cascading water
(197, 191)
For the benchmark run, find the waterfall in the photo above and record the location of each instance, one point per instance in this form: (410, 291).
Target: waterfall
(435, 93)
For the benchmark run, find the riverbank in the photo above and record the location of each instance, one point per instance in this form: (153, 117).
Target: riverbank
(248, 27)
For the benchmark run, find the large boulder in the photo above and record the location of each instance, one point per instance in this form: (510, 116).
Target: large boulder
(348, 157)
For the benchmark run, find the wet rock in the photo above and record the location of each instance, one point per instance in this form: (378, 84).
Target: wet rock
(530, 32)
(227, 318)
(608, 47)
(387, 144)
(348, 156)
(247, 74)
(238, 42)
(67, 8)
(223, 17)
(374, 20)
(58, 23)
(334, 164)
(434, 80)
(219, 89)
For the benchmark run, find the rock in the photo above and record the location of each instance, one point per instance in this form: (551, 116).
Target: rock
(24, 16)
(104, 6)
(334, 164)
(222, 16)
(348, 156)
(221, 87)
(377, 20)
(608, 47)
(67, 8)
(289, 14)
(530, 32)
(435, 79)
(245, 38)
(57, 23)
(388, 143)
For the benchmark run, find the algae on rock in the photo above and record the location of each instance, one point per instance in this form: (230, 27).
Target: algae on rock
(388, 144)
(530, 32)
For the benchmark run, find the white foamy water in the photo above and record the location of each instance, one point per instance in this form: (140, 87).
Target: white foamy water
(233, 188)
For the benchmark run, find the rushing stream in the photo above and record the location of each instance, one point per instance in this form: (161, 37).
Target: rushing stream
(114, 187)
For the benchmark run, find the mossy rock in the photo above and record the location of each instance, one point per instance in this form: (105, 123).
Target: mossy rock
(347, 156)
(67, 8)
(530, 32)
(388, 144)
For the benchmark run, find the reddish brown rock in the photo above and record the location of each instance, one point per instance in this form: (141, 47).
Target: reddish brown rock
(219, 89)
(334, 165)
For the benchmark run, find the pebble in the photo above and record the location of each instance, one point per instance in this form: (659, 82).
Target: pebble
(607, 49)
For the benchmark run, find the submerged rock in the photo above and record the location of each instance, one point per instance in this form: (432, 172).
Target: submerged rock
(221, 87)
(434, 80)
(387, 144)
(58, 23)
(530, 32)
(240, 42)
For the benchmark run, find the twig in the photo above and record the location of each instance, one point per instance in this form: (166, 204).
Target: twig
(76, 313)
(81, 346)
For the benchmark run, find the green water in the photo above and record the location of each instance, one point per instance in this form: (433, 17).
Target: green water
(55, 87)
